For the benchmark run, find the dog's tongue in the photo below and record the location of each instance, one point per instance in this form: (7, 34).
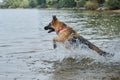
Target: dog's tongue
(52, 30)
(49, 31)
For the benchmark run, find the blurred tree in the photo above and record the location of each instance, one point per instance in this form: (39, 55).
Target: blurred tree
(11, 3)
(80, 3)
(1, 5)
(24, 4)
(16, 3)
(66, 3)
(33, 3)
(113, 4)
(92, 4)
(6, 3)
(52, 3)
(41, 3)
(101, 1)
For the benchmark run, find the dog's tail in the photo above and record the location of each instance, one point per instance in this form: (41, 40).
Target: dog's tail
(92, 46)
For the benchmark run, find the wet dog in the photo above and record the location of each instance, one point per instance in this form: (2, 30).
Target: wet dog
(67, 34)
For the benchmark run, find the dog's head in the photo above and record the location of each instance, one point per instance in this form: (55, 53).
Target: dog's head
(48, 27)
(54, 25)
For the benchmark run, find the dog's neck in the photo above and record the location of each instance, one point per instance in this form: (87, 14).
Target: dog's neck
(61, 28)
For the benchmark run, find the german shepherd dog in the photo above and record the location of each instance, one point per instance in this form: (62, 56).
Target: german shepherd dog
(66, 33)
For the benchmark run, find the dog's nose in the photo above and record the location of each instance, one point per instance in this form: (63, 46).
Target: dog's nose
(46, 28)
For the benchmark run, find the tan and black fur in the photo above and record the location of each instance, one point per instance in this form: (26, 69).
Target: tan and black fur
(68, 34)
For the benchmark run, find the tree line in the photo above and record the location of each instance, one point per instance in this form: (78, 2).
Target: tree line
(22, 3)
(87, 4)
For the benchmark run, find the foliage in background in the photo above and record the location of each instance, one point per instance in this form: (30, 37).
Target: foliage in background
(52, 3)
(101, 1)
(15, 3)
(23, 3)
(113, 4)
(80, 3)
(93, 4)
(89, 4)
(33, 3)
(66, 3)
(41, 3)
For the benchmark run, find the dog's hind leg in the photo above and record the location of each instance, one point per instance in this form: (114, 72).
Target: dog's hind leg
(92, 46)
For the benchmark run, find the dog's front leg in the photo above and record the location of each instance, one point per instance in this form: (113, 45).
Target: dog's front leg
(54, 44)
(56, 40)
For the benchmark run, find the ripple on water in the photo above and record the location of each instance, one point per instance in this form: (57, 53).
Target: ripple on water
(27, 49)
(5, 45)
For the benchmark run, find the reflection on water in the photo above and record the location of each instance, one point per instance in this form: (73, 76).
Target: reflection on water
(26, 51)
(104, 24)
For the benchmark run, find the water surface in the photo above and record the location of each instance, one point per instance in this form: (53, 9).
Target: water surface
(26, 51)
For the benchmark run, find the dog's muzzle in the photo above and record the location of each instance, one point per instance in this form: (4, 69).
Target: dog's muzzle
(49, 28)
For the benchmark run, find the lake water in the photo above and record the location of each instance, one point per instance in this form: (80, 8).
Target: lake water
(26, 51)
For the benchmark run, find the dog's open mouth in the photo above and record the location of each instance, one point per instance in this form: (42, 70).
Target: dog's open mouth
(50, 29)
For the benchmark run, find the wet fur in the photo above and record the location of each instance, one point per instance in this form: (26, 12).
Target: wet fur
(70, 35)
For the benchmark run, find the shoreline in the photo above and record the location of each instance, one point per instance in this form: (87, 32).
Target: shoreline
(117, 11)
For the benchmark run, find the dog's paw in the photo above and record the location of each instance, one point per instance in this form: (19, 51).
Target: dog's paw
(54, 46)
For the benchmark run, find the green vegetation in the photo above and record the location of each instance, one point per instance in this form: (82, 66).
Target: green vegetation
(93, 5)
(23, 3)
(80, 3)
(15, 4)
(113, 4)
(33, 3)
(88, 4)
(66, 3)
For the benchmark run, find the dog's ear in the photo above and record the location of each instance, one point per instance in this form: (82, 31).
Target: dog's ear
(54, 18)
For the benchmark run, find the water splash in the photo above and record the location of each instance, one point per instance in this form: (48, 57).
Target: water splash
(82, 51)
